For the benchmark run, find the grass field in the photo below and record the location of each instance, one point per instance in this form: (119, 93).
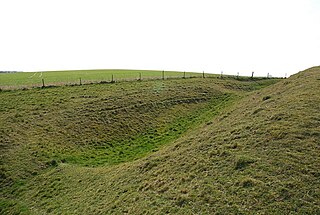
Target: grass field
(102, 125)
(180, 146)
(34, 79)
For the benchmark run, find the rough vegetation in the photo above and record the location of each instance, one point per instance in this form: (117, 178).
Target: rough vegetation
(189, 146)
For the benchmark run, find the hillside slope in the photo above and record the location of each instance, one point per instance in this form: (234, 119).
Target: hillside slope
(260, 155)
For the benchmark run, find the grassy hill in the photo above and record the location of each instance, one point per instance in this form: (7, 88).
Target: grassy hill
(188, 146)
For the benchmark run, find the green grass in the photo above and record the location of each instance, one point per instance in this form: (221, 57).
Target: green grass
(99, 124)
(20, 80)
(182, 146)
(34, 79)
(114, 152)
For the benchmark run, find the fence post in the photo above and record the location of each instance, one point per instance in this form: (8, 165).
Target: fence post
(112, 78)
(184, 74)
(80, 82)
(140, 76)
(43, 83)
(163, 75)
(202, 74)
(252, 74)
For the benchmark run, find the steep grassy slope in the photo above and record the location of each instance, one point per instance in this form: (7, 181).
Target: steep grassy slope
(100, 125)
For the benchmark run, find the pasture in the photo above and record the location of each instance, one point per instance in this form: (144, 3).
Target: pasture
(72, 77)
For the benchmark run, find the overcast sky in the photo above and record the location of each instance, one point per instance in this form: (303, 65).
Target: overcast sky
(264, 36)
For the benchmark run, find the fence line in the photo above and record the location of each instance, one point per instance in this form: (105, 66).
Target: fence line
(140, 78)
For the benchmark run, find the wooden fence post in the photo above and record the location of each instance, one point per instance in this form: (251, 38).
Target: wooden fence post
(112, 81)
(252, 74)
(163, 75)
(80, 82)
(140, 76)
(43, 83)
(184, 74)
(202, 74)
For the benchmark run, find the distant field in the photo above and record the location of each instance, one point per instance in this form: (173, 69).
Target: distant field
(33, 79)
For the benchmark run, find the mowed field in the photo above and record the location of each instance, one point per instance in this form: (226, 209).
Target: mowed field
(70, 77)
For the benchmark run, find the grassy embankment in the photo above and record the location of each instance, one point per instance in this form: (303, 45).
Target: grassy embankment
(178, 146)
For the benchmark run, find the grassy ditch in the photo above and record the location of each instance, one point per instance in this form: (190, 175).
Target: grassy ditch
(114, 152)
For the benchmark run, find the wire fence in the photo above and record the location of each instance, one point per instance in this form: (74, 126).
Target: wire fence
(114, 78)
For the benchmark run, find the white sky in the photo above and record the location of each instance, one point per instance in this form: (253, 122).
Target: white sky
(275, 36)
